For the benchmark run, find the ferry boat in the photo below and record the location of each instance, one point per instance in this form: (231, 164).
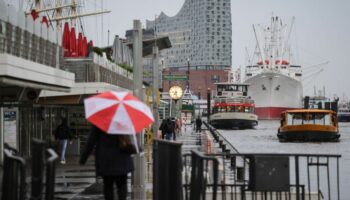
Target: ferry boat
(308, 125)
(232, 108)
(275, 83)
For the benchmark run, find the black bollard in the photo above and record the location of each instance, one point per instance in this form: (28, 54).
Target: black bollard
(38, 156)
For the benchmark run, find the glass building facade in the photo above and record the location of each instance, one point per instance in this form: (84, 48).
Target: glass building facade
(200, 34)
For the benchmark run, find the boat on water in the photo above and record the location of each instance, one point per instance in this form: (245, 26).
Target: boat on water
(275, 83)
(308, 125)
(232, 107)
(343, 113)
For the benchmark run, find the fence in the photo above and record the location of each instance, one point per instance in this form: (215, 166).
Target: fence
(202, 169)
(50, 174)
(14, 176)
(275, 176)
(15, 173)
(262, 176)
(21, 43)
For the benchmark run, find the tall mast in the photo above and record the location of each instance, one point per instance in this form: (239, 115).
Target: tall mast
(287, 40)
(37, 4)
(74, 13)
(258, 44)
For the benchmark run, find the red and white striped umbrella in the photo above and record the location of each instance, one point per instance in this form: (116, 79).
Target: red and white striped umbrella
(118, 113)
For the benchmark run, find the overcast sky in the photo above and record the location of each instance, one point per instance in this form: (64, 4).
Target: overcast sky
(321, 32)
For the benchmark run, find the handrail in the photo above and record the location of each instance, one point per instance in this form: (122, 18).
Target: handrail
(10, 190)
(50, 173)
(216, 133)
(52, 155)
(279, 154)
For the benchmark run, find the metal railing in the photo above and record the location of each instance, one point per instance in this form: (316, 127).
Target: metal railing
(21, 43)
(51, 159)
(200, 176)
(14, 176)
(43, 160)
(279, 176)
(272, 176)
(224, 144)
(38, 156)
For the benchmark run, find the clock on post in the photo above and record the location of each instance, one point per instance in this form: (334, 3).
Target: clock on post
(175, 92)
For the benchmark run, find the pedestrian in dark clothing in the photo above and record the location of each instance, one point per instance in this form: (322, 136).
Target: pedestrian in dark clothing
(63, 134)
(173, 126)
(162, 128)
(169, 129)
(111, 162)
(198, 125)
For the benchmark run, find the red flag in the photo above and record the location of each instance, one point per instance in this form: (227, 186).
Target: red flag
(66, 40)
(84, 47)
(73, 47)
(34, 14)
(80, 44)
(45, 20)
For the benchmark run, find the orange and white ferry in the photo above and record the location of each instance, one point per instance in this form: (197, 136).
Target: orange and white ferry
(308, 125)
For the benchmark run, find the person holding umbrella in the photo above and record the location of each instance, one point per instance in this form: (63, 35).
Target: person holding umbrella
(116, 118)
(112, 164)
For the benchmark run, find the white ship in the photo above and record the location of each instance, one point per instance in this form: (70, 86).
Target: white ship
(232, 108)
(275, 84)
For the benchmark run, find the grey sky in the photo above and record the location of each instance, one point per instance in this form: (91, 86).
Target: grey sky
(321, 32)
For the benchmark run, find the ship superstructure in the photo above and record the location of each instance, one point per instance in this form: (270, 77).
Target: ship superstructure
(275, 83)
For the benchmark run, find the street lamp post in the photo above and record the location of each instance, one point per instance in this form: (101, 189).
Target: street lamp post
(208, 104)
(188, 75)
(138, 176)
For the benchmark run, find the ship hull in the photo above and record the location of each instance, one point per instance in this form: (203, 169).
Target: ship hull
(229, 120)
(308, 136)
(343, 118)
(271, 112)
(274, 93)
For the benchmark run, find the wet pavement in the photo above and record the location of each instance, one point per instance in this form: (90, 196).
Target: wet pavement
(76, 182)
(79, 182)
(73, 179)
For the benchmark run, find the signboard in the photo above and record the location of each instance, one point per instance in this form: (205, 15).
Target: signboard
(175, 77)
(187, 107)
(10, 127)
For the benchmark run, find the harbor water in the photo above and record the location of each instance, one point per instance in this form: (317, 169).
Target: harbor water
(263, 139)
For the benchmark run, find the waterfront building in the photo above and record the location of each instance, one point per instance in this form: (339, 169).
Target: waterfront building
(43, 81)
(31, 58)
(200, 34)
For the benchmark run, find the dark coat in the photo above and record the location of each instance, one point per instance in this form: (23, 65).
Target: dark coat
(63, 132)
(109, 160)
(198, 122)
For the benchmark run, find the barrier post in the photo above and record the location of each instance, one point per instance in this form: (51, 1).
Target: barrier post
(38, 156)
(14, 177)
(167, 170)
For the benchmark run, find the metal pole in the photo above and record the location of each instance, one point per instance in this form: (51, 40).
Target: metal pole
(208, 104)
(155, 89)
(1, 135)
(188, 75)
(138, 176)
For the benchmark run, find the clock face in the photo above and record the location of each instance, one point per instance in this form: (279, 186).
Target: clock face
(175, 92)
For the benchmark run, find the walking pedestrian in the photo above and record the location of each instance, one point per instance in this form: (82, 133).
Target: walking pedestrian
(198, 125)
(169, 129)
(162, 128)
(62, 135)
(112, 162)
